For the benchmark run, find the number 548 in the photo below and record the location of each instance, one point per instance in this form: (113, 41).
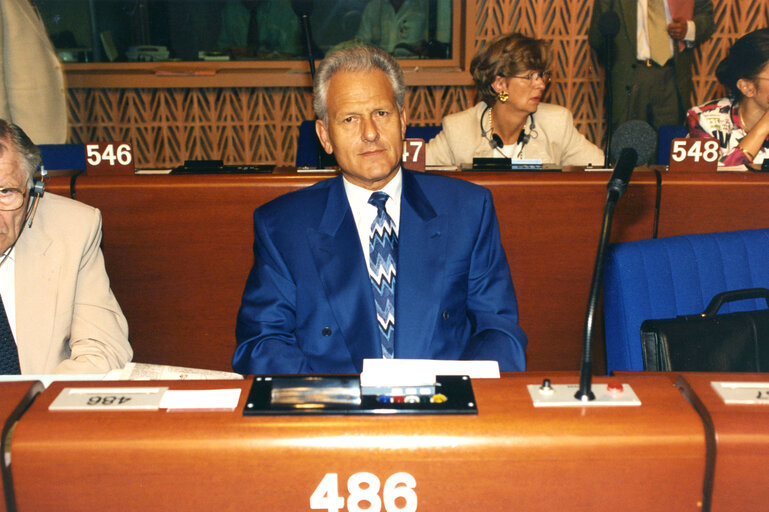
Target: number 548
(698, 150)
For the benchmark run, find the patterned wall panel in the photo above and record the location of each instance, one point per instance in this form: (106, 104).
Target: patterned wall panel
(260, 125)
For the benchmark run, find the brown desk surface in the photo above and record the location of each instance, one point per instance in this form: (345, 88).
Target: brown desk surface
(739, 441)
(510, 456)
(706, 203)
(15, 397)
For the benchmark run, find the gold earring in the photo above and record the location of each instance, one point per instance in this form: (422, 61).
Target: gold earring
(502, 96)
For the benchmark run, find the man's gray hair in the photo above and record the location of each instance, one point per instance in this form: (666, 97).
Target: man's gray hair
(13, 136)
(357, 58)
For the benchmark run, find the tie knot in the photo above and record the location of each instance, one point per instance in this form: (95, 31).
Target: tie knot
(378, 199)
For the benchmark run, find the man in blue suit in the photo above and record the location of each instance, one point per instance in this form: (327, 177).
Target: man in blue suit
(415, 269)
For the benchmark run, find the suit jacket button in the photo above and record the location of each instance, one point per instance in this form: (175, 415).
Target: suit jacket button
(446, 315)
(326, 331)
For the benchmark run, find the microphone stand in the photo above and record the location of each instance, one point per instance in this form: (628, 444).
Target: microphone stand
(311, 59)
(609, 26)
(609, 100)
(303, 9)
(308, 42)
(616, 187)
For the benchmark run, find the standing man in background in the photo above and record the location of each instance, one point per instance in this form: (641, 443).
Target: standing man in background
(653, 56)
(32, 92)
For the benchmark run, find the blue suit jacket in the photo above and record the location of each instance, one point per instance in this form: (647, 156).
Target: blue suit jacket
(308, 306)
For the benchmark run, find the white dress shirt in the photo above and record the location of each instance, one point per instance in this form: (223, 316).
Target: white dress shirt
(642, 42)
(365, 213)
(8, 289)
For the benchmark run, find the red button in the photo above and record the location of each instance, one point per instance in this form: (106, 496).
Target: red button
(614, 387)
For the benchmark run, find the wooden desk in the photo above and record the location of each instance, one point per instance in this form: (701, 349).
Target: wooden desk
(707, 203)
(738, 442)
(509, 456)
(15, 398)
(178, 250)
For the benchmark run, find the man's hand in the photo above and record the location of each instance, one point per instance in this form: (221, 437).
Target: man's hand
(677, 29)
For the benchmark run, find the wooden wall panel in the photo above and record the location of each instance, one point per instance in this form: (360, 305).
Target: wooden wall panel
(260, 125)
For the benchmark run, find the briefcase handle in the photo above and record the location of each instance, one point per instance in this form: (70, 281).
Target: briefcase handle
(747, 293)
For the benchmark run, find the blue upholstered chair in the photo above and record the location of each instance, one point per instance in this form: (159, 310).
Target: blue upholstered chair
(308, 146)
(665, 136)
(63, 156)
(668, 277)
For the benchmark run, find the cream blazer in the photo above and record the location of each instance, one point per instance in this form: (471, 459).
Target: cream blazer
(67, 318)
(32, 92)
(554, 139)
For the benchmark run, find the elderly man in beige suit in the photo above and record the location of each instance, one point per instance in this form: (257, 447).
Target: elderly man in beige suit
(32, 93)
(57, 301)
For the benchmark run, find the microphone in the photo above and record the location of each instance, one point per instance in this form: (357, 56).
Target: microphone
(621, 174)
(496, 141)
(616, 187)
(638, 135)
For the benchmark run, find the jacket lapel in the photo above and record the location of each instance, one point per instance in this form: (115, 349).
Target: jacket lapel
(336, 251)
(421, 267)
(36, 282)
(629, 11)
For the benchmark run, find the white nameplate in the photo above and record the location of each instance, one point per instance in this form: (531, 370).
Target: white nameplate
(562, 395)
(421, 372)
(201, 399)
(108, 399)
(742, 392)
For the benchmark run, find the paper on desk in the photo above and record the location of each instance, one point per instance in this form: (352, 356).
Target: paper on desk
(48, 378)
(145, 371)
(731, 168)
(200, 399)
(421, 372)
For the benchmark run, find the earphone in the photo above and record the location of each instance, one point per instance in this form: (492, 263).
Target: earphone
(36, 192)
(524, 137)
(495, 141)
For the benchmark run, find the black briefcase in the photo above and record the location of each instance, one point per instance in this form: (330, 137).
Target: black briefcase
(732, 342)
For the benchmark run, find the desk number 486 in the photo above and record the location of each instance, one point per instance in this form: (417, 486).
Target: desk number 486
(397, 496)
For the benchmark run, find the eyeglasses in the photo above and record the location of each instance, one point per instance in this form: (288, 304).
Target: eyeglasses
(11, 198)
(533, 75)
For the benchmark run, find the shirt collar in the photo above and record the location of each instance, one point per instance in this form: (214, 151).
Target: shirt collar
(360, 195)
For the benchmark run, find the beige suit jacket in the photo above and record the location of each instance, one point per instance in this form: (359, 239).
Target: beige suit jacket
(32, 92)
(67, 319)
(554, 139)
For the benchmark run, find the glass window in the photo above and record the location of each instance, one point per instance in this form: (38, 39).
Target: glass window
(186, 30)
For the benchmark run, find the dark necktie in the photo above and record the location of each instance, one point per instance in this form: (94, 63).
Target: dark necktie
(9, 354)
(383, 258)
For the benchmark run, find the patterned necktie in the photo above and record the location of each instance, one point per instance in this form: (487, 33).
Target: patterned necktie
(9, 355)
(383, 258)
(657, 28)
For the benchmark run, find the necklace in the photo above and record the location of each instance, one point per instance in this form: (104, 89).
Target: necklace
(519, 145)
